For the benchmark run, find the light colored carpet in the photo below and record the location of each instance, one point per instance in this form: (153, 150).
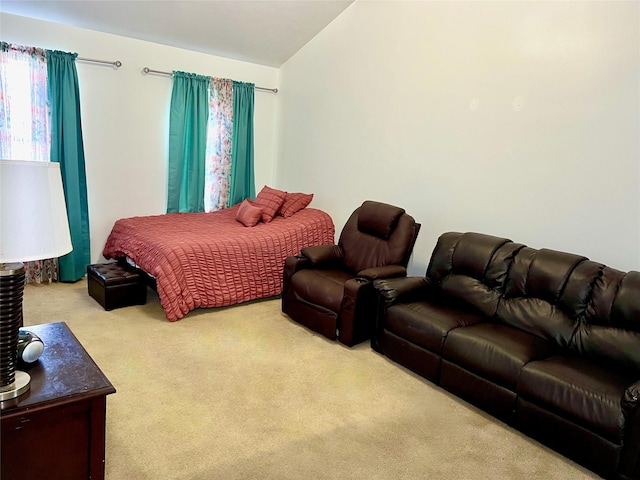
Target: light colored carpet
(245, 393)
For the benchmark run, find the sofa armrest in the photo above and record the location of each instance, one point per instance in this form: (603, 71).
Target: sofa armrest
(630, 456)
(323, 254)
(387, 271)
(394, 290)
(631, 399)
(390, 291)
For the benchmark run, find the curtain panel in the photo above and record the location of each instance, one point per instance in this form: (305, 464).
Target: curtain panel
(188, 117)
(67, 148)
(242, 172)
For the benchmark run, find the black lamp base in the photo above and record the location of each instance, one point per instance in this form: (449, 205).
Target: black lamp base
(13, 383)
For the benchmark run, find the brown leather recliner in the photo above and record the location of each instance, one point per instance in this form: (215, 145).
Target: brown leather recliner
(329, 289)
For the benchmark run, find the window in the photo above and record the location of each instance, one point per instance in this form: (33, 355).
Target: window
(25, 123)
(25, 132)
(29, 121)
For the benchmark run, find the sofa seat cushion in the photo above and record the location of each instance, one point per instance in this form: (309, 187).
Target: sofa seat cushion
(321, 286)
(426, 324)
(495, 352)
(576, 388)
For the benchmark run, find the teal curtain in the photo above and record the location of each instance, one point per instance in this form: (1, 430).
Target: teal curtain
(242, 177)
(187, 142)
(67, 148)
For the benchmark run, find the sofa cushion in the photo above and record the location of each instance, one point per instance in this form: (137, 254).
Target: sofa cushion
(549, 273)
(611, 327)
(609, 345)
(470, 292)
(471, 268)
(427, 324)
(576, 388)
(625, 312)
(546, 293)
(471, 254)
(537, 317)
(495, 352)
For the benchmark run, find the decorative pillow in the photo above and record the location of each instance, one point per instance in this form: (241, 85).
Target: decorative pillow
(248, 214)
(294, 202)
(269, 200)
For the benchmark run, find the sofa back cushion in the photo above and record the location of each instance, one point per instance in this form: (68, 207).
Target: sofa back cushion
(536, 297)
(581, 305)
(610, 326)
(471, 268)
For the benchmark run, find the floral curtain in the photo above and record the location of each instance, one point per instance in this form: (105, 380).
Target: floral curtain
(219, 141)
(24, 108)
(25, 119)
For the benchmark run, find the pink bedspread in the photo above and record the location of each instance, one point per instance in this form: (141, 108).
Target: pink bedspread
(210, 259)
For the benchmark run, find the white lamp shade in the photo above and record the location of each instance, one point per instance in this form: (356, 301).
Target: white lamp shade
(33, 212)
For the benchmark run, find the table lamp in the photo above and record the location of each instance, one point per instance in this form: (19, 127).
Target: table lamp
(33, 226)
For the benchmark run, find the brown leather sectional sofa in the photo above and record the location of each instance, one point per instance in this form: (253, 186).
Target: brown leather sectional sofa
(547, 341)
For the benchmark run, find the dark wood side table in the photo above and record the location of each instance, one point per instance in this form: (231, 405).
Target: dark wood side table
(57, 429)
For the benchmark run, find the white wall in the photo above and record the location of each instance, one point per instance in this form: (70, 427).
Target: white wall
(518, 119)
(510, 118)
(125, 115)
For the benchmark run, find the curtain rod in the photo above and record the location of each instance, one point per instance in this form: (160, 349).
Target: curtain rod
(169, 74)
(116, 64)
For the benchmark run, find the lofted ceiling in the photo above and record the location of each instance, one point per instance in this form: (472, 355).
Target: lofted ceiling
(266, 32)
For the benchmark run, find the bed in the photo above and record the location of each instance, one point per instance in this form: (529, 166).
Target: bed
(211, 259)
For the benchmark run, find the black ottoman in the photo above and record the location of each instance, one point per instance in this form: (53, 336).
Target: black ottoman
(116, 285)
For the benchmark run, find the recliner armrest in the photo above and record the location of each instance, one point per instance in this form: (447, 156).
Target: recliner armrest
(293, 264)
(320, 254)
(387, 271)
(393, 290)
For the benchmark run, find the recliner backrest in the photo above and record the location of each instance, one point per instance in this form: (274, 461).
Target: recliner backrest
(377, 234)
